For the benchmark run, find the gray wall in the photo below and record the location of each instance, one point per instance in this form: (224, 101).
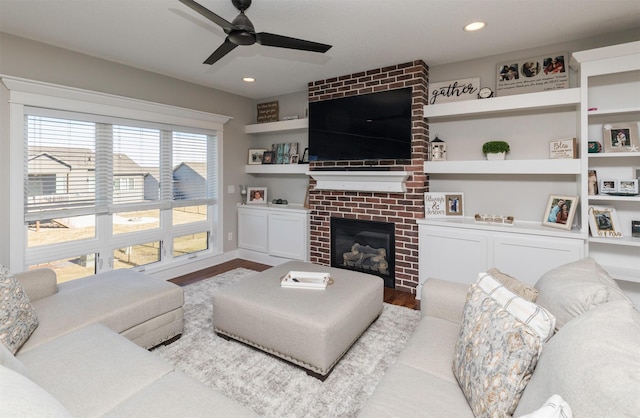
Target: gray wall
(20, 57)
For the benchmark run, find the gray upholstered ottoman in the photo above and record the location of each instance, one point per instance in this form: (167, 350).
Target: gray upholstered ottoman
(310, 328)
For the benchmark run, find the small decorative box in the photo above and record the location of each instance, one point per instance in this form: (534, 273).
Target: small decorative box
(594, 147)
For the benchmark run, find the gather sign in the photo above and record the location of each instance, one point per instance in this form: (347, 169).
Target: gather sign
(454, 90)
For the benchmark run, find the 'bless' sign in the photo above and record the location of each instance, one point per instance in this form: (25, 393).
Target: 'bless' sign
(454, 90)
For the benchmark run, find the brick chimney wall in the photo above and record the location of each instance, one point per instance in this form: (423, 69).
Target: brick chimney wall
(400, 208)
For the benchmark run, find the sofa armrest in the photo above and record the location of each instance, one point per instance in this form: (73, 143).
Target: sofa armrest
(443, 299)
(38, 283)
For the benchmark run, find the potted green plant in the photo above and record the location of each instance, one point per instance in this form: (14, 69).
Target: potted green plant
(495, 150)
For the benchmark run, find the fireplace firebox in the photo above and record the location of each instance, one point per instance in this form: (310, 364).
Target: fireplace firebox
(365, 246)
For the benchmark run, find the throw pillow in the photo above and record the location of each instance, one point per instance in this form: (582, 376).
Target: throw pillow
(497, 350)
(572, 289)
(594, 363)
(17, 316)
(523, 290)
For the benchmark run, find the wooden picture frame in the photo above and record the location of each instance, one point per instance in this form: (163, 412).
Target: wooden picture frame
(604, 222)
(560, 211)
(620, 137)
(255, 155)
(444, 205)
(256, 195)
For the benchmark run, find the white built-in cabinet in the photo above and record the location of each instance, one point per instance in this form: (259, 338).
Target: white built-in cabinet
(610, 94)
(265, 132)
(272, 234)
(457, 249)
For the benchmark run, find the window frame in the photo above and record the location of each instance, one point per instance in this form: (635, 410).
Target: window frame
(24, 94)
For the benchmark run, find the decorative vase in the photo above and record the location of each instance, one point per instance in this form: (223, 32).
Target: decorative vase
(495, 156)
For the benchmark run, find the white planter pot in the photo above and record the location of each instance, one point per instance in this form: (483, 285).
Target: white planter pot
(496, 156)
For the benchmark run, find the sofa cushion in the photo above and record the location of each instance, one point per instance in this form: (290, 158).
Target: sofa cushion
(10, 361)
(21, 397)
(17, 316)
(521, 289)
(593, 362)
(498, 346)
(92, 370)
(572, 289)
(554, 407)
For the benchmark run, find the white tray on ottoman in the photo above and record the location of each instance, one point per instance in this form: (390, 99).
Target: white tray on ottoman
(310, 328)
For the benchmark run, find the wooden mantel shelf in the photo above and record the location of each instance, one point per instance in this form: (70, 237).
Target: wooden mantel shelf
(361, 181)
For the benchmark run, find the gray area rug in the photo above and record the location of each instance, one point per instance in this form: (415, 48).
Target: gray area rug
(272, 387)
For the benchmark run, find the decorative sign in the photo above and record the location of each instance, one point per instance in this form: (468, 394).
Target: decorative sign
(454, 90)
(603, 222)
(442, 205)
(530, 75)
(268, 112)
(563, 148)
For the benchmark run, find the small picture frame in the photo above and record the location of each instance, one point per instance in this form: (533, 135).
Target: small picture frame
(560, 211)
(603, 222)
(608, 186)
(305, 157)
(268, 157)
(443, 205)
(628, 186)
(620, 137)
(256, 195)
(294, 159)
(255, 155)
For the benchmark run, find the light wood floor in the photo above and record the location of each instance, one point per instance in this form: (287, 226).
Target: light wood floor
(392, 296)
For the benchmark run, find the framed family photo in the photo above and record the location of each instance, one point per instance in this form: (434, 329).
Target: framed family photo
(620, 137)
(560, 211)
(604, 223)
(255, 155)
(256, 195)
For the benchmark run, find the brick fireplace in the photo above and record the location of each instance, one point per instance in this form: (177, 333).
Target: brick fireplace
(400, 208)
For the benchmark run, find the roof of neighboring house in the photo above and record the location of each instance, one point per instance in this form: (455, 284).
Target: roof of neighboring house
(199, 167)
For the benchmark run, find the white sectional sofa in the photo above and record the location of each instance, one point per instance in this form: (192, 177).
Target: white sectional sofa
(592, 362)
(85, 357)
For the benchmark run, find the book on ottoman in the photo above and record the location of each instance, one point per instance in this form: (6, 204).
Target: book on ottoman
(305, 280)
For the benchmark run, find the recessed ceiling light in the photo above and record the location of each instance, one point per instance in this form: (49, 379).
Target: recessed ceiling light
(248, 79)
(474, 26)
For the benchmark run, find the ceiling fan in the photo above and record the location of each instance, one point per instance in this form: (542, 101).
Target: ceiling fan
(241, 32)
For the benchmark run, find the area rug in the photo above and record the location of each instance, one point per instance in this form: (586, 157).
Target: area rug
(272, 387)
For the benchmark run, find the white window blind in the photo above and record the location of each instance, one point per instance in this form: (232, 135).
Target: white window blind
(79, 164)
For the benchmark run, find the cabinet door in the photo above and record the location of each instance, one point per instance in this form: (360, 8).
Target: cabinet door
(452, 254)
(527, 257)
(252, 229)
(288, 236)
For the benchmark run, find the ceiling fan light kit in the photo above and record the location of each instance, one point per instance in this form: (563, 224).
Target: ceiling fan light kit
(242, 32)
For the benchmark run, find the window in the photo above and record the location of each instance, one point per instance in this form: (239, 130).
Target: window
(117, 190)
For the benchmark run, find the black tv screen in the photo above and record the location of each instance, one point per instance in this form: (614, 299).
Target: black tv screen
(375, 126)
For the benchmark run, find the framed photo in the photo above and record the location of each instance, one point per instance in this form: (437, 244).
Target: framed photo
(268, 157)
(294, 159)
(629, 187)
(305, 157)
(442, 205)
(603, 222)
(560, 211)
(608, 186)
(620, 137)
(255, 155)
(256, 195)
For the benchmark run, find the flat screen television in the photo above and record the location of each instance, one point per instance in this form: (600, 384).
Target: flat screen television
(375, 126)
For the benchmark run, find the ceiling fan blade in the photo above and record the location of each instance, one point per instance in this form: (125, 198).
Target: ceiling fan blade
(270, 39)
(222, 50)
(223, 23)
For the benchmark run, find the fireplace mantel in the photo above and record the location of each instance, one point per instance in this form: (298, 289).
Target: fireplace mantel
(361, 181)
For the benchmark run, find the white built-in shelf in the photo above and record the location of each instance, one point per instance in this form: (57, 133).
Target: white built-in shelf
(610, 198)
(622, 273)
(361, 181)
(518, 102)
(279, 126)
(622, 241)
(518, 227)
(276, 168)
(607, 112)
(546, 166)
(613, 154)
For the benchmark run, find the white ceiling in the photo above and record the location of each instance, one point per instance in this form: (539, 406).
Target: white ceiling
(166, 37)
